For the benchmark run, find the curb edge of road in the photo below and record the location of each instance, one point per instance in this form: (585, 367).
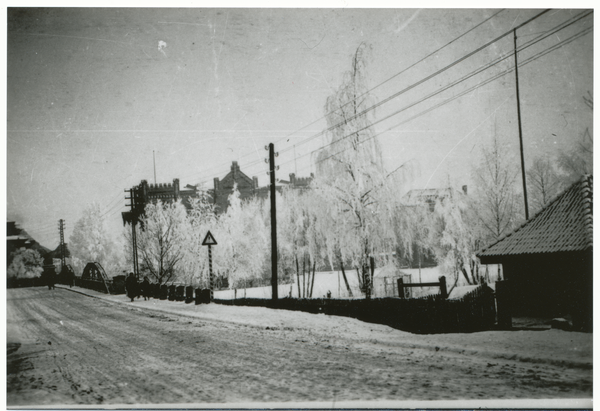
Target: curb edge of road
(182, 314)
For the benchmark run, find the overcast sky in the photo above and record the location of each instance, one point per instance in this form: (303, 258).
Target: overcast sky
(91, 93)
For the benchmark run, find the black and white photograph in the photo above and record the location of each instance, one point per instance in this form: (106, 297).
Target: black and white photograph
(339, 205)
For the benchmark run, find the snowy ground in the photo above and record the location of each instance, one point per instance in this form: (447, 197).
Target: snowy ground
(333, 282)
(385, 366)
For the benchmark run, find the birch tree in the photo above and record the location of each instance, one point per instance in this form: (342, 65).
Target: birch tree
(544, 182)
(90, 242)
(498, 208)
(351, 180)
(452, 237)
(243, 239)
(201, 218)
(162, 241)
(300, 238)
(578, 159)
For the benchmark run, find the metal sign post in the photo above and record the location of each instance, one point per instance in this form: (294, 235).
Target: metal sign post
(209, 240)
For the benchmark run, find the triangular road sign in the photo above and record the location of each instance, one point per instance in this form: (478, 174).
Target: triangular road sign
(209, 239)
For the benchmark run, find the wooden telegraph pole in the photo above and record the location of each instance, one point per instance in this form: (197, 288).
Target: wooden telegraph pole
(520, 129)
(61, 229)
(134, 220)
(272, 190)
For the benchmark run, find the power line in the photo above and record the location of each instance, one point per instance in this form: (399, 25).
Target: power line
(435, 74)
(115, 207)
(464, 78)
(397, 74)
(481, 84)
(255, 162)
(370, 90)
(118, 196)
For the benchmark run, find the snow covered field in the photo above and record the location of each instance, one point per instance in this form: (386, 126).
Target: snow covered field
(332, 281)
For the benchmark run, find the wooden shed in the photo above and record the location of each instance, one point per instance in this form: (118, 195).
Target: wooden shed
(548, 261)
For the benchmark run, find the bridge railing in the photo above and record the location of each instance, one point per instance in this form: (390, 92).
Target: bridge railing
(115, 287)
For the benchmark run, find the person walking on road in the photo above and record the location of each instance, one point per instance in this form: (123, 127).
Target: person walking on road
(146, 289)
(131, 286)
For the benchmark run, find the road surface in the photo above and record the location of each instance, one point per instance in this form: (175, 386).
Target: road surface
(68, 348)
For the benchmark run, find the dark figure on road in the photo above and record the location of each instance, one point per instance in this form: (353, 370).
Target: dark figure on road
(51, 280)
(131, 286)
(145, 288)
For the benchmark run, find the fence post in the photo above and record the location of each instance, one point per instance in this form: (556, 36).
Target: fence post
(401, 287)
(443, 289)
(503, 304)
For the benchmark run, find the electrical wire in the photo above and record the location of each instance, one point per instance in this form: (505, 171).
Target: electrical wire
(481, 84)
(396, 75)
(468, 76)
(368, 91)
(433, 75)
(412, 86)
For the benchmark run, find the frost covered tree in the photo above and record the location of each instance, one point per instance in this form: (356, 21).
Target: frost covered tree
(300, 238)
(452, 235)
(201, 219)
(243, 237)
(356, 193)
(498, 207)
(90, 242)
(162, 241)
(26, 263)
(544, 182)
(578, 159)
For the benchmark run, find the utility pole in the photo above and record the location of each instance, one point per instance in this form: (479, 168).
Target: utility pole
(61, 227)
(520, 129)
(134, 220)
(272, 168)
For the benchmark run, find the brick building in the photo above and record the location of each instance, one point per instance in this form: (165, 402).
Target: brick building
(248, 187)
(145, 193)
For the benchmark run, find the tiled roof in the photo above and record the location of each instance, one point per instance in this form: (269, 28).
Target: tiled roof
(563, 225)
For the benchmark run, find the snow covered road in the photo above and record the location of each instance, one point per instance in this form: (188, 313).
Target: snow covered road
(68, 348)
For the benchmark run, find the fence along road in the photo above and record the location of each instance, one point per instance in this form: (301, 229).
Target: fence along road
(80, 350)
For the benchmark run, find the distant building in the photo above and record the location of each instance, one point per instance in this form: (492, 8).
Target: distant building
(17, 238)
(248, 187)
(428, 197)
(144, 194)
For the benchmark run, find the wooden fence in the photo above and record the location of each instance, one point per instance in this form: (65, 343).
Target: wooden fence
(475, 311)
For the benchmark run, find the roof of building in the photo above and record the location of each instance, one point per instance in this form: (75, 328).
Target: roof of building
(56, 252)
(430, 195)
(18, 237)
(565, 224)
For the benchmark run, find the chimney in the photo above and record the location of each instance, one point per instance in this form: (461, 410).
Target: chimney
(176, 188)
(234, 169)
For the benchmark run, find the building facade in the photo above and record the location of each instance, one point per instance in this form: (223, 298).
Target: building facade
(248, 187)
